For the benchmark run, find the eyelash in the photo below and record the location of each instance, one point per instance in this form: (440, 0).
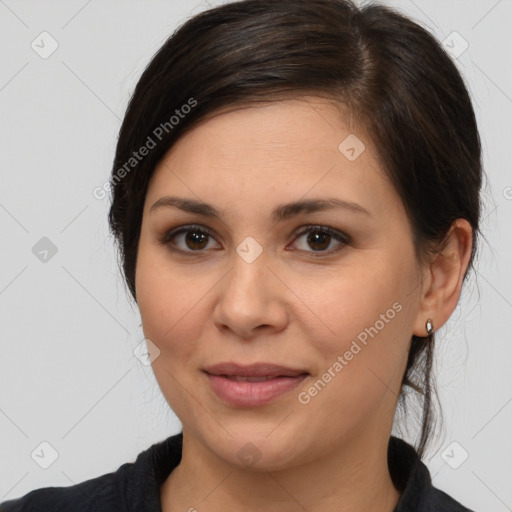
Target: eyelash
(339, 236)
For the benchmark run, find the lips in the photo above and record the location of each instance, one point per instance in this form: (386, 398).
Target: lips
(240, 378)
(254, 385)
(253, 370)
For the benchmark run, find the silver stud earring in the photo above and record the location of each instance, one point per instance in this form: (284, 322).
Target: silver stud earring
(429, 326)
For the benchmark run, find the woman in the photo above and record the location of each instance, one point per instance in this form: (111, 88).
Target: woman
(295, 194)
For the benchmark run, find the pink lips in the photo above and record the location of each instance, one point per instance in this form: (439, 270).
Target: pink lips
(254, 385)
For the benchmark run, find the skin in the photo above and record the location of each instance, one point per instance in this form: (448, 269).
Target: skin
(287, 307)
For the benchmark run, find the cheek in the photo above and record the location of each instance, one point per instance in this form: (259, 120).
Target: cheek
(363, 344)
(173, 305)
(358, 299)
(164, 300)
(169, 320)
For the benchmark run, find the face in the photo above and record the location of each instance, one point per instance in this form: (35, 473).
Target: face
(329, 293)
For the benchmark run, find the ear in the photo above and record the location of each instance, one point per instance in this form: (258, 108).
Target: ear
(443, 278)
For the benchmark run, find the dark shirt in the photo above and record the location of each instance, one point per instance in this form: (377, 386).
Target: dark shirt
(135, 486)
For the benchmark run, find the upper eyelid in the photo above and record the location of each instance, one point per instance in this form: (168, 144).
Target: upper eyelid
(298, 231)
(343, 238)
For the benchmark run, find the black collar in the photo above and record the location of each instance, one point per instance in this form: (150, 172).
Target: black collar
(142, 480)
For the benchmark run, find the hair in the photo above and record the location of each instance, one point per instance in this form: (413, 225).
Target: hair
(391, 74)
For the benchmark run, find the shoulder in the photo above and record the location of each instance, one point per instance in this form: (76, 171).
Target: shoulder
(412, 478)
(134, 486)
(427, 497)
(99, 494)
(442, 502)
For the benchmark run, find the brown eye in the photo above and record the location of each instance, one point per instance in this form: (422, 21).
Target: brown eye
(187, 239)
(196, 240)
(320, 238)
(193, 239)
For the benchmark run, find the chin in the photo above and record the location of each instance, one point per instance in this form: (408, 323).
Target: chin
(254, 449)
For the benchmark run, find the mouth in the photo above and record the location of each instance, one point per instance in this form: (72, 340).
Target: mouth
(254, 385)
(241, 378)
(260, 370)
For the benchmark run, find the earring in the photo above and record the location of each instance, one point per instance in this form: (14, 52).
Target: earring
(429, 326)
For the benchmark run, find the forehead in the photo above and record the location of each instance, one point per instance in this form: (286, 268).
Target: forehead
(291, 148)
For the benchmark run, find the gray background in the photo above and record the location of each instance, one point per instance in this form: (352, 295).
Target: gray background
(68, 375)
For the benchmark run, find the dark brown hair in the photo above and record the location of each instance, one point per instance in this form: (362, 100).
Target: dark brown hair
(391, 75)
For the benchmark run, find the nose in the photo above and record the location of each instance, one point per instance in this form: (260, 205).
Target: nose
(251, 299)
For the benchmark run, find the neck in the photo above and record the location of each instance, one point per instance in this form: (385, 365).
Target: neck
(354, 478)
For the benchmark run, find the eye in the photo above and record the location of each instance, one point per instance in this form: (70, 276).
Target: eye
(320, 238)
(194, 238)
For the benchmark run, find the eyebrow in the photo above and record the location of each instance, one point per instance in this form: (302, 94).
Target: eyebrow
(279, 213)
